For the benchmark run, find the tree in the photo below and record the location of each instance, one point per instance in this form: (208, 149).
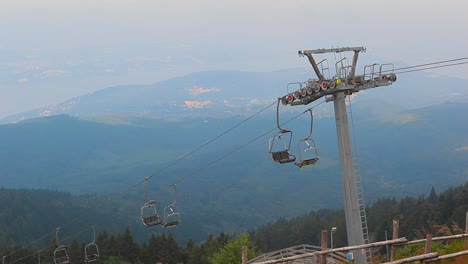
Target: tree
(231, 253)
(433, 198)
(116, 260)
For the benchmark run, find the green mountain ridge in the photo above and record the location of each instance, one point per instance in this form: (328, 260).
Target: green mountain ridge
(244, 189)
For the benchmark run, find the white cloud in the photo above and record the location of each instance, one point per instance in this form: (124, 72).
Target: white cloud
(197, 104)
(52, 73)
(201, 90)
(23, 80)
(464, 148)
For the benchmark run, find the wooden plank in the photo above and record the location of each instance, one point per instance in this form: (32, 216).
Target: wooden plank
(437, 238)
(415, 258)
(448, 256)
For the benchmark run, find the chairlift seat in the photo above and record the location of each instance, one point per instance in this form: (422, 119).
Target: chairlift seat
(62, 260)
(171, 223)
(282, 156)
(152, 220)
(91, 258)
(307, 162)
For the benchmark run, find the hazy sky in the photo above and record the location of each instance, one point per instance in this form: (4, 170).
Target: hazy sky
(54, 50)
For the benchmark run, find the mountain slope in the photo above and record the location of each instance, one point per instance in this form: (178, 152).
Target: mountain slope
(231, 93)
(402, 154)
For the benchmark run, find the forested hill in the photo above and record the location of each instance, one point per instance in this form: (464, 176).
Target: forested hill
(26, 215)
(439, 214)
(403, 154)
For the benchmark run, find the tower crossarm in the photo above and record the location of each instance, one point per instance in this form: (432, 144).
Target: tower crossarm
(337, 50)
(348, 89)
(345, 80)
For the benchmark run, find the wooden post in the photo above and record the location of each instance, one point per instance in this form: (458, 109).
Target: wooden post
(244, 255)
(324, 246)
(427, 249)
(466, 230)
(396, 225)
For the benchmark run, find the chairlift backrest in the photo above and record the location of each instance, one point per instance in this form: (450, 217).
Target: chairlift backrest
(171, 216)
(307, 159)
(61, 255)
(281, 155)
(150, 213)
(91, 253)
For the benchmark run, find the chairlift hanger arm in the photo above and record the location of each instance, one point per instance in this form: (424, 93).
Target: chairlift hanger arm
(175, 193)
(282, 130)
(94, 235)
(311, 123)
(56, 236)
(146, 185)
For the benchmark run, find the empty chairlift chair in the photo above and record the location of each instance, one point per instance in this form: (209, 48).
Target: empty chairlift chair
(308, 155)
(92, 250)
(280, 144)
(150, 210)
(60, 253)
(171, 212)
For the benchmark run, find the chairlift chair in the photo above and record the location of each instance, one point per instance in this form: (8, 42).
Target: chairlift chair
(281, 154)
(60, 253)
(92, 250)
(309, 159)
(150, 210)
(171, 212)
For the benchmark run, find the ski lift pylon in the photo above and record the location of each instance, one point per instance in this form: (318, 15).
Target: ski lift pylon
(171, 212)
(92, 250)
(60, 253)
(309, 159)
(150, 210)
(285, 136)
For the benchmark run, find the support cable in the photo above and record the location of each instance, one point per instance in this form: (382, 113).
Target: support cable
(211, 140)
(434, 67)
(250, 142)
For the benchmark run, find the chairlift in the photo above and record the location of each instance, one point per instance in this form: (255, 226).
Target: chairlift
(150, 210)
(171, 212)
(283, 139)
(92, 250)
(60, 253)
(310, 148)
